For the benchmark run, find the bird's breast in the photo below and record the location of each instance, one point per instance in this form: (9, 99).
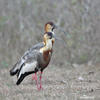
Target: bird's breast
(45, 58)
(47, 55)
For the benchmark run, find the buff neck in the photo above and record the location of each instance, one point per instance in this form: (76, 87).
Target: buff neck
(48, 45)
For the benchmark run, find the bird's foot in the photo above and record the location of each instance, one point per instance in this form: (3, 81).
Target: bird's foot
(40, 88)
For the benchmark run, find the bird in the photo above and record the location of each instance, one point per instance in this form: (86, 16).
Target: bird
(37, 58)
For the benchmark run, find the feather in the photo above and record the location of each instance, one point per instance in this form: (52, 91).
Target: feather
(24, 58)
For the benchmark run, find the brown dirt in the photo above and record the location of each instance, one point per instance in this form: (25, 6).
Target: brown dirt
(70, 83)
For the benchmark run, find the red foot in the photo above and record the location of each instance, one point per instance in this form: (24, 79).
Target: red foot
(40, 88)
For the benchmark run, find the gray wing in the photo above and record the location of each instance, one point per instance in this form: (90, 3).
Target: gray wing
(37, 46)
(28, 56)
(29, 51)
(29, 64)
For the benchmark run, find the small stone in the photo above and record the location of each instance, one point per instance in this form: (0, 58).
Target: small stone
(81, 78)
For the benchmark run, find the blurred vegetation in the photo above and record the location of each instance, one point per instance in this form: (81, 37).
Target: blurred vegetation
(22, 25)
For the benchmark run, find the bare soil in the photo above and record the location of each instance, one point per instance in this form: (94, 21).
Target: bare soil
(68, 83)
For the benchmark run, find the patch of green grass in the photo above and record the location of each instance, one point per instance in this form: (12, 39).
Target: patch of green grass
(74, 2)
(70, 43)
(2, 97)
(4, 64)
(83, 58)
(62, 24)
(3, 20)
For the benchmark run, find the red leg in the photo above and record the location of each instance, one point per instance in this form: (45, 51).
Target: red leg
(36, 81)
(40, 80)
(33, 76)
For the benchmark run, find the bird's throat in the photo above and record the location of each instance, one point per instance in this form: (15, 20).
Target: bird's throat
(48, 46)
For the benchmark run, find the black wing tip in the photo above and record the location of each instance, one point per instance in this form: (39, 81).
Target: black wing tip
(17, 83)
(12, 73)
(20, 79)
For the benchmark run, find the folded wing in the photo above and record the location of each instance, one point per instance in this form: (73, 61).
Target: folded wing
(24, 58)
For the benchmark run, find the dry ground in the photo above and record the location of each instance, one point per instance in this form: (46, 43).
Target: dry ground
(70, 83)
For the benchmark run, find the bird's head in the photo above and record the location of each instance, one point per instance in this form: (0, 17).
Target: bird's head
(49, 27)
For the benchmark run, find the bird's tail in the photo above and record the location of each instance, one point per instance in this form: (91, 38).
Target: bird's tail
(15, 68)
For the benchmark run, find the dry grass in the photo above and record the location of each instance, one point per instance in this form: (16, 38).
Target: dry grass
(22, 25)
(58, 84)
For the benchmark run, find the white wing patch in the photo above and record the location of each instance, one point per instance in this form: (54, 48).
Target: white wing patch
(28, 67)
